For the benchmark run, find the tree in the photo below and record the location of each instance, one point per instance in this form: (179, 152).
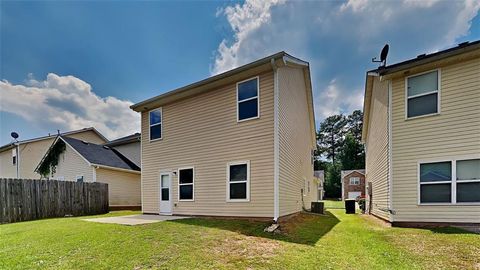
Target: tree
(355, 124)
(352, 154)
(330, 136)
(333, 184)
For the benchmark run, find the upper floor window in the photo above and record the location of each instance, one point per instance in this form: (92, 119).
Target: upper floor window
(354, 180)
(423, 94)
(247, 99)
(14, 156)
(155, 124)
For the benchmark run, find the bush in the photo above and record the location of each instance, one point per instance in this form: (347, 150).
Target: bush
(361, 203)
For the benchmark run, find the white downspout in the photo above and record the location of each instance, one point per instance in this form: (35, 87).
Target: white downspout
(276, 147)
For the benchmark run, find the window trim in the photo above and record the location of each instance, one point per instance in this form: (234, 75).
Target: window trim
(227, 197)
(193, 184)
(161, 124)
(453, 182)
(438, 91)
(350, 180)
(247, 99)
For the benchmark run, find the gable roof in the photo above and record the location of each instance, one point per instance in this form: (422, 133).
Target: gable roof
(124, 140)
(345, 173)
(95, 154)
(50, 136)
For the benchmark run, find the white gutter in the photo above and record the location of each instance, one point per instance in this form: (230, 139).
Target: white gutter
(276, 145)
(115, 168)
(390, 183)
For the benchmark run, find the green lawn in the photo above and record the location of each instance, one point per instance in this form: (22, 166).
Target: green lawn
(333, 241)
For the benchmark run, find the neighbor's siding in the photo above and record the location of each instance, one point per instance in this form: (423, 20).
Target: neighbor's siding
(32, 153)
(456, 131)
(71, 164)
(131, 151)
(295, 143)
(377, 149)
(123, 187)
(202, 131)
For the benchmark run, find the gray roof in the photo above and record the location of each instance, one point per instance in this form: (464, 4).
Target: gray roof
(101, 155)
(124, 140)
(347, 172)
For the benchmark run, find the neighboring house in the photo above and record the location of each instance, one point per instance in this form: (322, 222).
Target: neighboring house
(31, 152)
(422, 136)
(129, 146)
(236, 144)
(82, 161)
(320, 176)
(353, 184)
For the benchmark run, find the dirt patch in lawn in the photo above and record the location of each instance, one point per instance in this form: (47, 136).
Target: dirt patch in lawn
(241, 247)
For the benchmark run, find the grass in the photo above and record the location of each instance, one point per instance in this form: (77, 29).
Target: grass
(332, 241)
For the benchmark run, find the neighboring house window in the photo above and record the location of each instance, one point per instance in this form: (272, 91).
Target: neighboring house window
(155, 124)
(186, 177)
(79, 179)
(354, 180)
(60, 178)
(14, 156)
(423, 94)
(455, 181)
(238, 181)
(247, 99)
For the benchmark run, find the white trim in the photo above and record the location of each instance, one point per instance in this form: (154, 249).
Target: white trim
(247, 181)
(453, 182)
(115, 168)
(276, 144)
(161, 124)
(141, 167)
(247, 99)
(193, 184)
(88, 162)
(94, 174)
(438, 92)
(390, 166)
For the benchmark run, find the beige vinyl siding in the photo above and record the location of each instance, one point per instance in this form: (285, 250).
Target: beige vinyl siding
(131, 151)
(377, 149)
(454, 132)
(202, 131)
(294, 143)
(123, 187)
(32, 153)
(71, 164)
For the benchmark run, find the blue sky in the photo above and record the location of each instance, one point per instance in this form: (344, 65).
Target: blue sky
(67, 65)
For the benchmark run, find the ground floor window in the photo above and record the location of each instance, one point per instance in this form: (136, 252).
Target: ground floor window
(238, 181)
(186, 178)
(450, 181)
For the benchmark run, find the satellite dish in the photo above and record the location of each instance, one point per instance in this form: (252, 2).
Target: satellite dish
(383, 56)
(14, 135)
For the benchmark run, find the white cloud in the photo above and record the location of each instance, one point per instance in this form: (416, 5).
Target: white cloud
(339, 39)
(68, 103)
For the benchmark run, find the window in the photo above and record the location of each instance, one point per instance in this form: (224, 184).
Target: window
(238, 178)
(247, 99)
(165, 187)
(453, 181)
(186, 178)
(423, 94)
(79, 179)
(354, 180)
(14, 156)
(155, 124)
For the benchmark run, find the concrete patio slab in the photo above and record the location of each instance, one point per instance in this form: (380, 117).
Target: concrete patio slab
(134, 219)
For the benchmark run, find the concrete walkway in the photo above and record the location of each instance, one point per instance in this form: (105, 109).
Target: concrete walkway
(134, 219)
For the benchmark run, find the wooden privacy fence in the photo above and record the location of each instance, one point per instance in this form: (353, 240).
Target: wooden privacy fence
(26, 199)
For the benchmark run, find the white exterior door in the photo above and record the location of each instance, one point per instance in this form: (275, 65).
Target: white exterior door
(165, 194)
(354, 195)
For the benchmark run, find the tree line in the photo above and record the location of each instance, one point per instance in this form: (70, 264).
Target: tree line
(339, 147)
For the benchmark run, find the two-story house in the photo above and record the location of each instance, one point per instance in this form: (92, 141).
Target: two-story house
(422, 136)
(236, 144)
(353, 183)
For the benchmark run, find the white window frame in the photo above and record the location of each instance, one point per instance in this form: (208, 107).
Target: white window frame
(14, 156)
(187, 184)
(438, 92)
(150, 126)
(256, 97)
(354, 178)
(245, 162)
(453, 181)
(78, 176)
